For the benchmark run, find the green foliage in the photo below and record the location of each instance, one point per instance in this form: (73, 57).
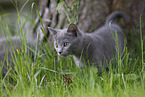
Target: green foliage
(60, 4)
(71, 10)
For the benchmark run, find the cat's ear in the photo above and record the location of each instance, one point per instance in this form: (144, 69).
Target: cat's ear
(52, 30)
(73, 29)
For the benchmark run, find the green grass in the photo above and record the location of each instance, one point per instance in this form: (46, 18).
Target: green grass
(47, 77)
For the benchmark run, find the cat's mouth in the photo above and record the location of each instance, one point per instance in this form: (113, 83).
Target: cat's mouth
(62, 55)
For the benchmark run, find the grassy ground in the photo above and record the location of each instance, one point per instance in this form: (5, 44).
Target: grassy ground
(56, 78)
(51, 77)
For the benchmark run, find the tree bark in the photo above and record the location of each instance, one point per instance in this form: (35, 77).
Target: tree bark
(91, 14)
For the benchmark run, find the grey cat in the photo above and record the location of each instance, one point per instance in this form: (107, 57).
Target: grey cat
(96, 48)
(9, 46)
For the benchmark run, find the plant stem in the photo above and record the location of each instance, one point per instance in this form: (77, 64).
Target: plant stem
(141, 44)
(142, 63)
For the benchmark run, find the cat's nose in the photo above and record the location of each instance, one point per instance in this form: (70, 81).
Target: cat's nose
(60, 53)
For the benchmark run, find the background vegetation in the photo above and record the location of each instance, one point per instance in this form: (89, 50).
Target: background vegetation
(56, 76)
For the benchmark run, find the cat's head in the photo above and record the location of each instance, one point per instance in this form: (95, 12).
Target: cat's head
(66, 40)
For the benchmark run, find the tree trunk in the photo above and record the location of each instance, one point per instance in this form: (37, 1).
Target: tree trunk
(91, 14)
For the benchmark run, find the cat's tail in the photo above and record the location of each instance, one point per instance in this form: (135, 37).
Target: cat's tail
(116, 15)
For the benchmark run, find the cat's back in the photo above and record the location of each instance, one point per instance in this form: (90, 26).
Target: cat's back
(7, 44)
(14, 41)
(107, 30)
(11, 40)
(106, 35)
(12, 44)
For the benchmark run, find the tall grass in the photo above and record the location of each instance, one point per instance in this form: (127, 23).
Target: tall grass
(51, 77)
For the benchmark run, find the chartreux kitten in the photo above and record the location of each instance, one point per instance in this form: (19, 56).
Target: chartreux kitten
(96, 48)
(9, 47)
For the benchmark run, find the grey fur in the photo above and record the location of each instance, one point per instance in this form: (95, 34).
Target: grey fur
(9, 46)
(96, 48)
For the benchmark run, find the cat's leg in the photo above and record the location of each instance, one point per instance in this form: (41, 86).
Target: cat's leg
(102, 69)
(78, 62)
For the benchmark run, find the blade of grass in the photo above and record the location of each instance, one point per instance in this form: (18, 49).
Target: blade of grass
(142, 59)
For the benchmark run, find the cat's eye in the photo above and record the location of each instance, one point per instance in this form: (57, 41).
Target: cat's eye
(56, 46)
(65, 44)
